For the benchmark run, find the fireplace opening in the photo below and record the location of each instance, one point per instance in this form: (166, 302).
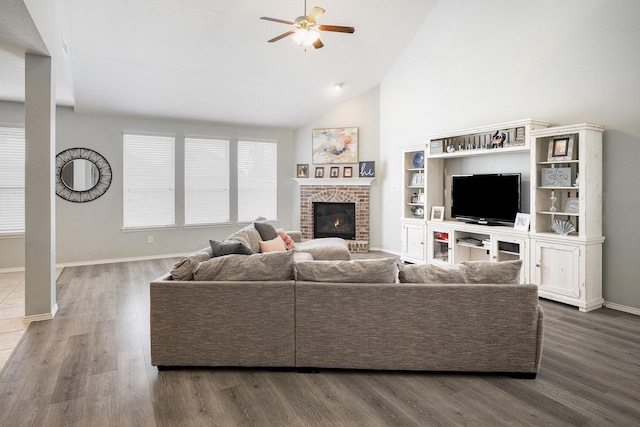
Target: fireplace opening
(334, 220)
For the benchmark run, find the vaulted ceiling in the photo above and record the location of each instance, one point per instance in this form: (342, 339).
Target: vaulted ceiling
(204, 59)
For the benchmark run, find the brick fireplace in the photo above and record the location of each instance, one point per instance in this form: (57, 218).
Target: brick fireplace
(357, 194)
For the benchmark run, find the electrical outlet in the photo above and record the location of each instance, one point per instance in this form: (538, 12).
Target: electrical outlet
(149, 239)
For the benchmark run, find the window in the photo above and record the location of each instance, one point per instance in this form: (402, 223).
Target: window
(206, 181)
(257, 180)
(148, 180)
(12, 166)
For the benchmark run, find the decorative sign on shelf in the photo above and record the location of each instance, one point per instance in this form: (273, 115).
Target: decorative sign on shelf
(367, 169)
(556, 177)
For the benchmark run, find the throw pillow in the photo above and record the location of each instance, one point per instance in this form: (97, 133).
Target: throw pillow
(266, 230)
(431, 273)
(288, 241)
(273, 245)
(270, 266)
(504, 272)
(183, 269)
(227, 247)
(354, 271)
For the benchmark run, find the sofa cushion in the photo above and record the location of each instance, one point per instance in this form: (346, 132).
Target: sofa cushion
(326, 249)
(503, 272)
(183, 268)
(354, 271)
(273, 245)
(431, 273)
(228, 247)
(266, 230)
(249, 236)
(270, 266)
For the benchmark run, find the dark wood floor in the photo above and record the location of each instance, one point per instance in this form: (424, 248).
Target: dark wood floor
(90, 366)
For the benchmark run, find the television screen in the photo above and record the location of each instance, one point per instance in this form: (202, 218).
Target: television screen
(492, 199)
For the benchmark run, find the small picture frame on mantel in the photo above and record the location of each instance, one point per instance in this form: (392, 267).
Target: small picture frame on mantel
(319, 172)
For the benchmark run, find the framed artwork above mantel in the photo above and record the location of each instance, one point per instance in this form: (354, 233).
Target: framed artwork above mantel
(334, 145)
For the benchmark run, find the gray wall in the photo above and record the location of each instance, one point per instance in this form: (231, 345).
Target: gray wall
(565, 62)
(92, 231)
(362, 112)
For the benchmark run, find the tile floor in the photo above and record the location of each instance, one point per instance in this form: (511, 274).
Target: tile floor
(12, 324)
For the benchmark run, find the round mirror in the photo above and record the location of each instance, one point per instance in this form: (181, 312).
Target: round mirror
(82, 175)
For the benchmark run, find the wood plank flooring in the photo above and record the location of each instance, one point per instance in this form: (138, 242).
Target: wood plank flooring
(90, 366)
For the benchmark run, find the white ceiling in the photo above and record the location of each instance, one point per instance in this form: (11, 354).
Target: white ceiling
(209, 59)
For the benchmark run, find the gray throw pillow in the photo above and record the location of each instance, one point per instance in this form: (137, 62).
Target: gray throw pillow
(266, 230)
(431, 273)
(269, 266)
(227, 247)
(354, 271)
(504, 272)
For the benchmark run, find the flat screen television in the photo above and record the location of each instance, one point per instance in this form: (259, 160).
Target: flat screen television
(492, 199)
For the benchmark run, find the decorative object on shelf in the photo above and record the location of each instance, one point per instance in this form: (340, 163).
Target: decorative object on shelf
(435, 147)
(335, 172)
(520, 134)
(572, 206)
(335, 145)
(421, 198)
(560, 148)
(319, 172)
(82, 175)
(437, 213)
(451, 148)
(302, 170)
(417, 211)
(418, 160)
(577, 183)
(556, 177)
(562, 226)
(414, 198)
(552, 202)
(367, 169)
(347, 172)
(522, 221)
(498, 139)
(417, 179)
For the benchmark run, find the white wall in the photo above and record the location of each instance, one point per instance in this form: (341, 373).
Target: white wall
(565, 62)
(91, 231)
(362, 112)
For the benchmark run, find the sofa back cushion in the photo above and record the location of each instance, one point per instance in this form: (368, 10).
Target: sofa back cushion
(249, 236)
(503, 272)
(184, 267)
(354, 271)
(269, 266)
(431, 273)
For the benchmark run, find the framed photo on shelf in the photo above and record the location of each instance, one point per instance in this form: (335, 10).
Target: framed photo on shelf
(417, 179)
(519, 135)
(335, 172)
(522, 222)
(572, 206)
(437, 213)
(319, 172)
(302, 171)
(560, 148)
(347, 172)
(334, 145)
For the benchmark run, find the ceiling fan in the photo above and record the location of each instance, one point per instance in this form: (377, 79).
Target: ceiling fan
(306, 31)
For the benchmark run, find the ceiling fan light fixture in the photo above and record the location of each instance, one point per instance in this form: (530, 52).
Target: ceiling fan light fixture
(305, 37)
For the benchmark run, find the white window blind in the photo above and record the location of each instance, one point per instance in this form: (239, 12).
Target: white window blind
(257, 180)
(206, 181)
(148, 180)
(12, 148)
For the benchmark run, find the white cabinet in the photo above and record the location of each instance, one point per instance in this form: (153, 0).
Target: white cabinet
(413, 247)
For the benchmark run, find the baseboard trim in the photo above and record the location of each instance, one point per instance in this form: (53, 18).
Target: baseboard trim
(620, 307)
(114, 260)
(41, 317)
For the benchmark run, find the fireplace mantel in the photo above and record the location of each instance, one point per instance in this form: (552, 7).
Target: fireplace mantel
(335, 181)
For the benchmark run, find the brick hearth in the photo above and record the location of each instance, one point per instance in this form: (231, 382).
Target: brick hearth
(358, 194)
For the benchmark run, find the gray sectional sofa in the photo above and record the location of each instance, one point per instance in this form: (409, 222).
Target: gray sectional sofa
(347, 315)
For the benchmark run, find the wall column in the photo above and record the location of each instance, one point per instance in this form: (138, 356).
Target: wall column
(40, 241)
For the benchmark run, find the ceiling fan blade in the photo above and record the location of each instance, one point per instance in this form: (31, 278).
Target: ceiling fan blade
(276, 20)
(315, 13)
(336, 28)
(281, 36)
(318, 44)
